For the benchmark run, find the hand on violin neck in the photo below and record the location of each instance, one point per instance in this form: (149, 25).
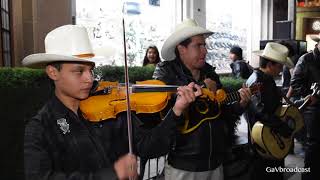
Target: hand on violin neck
(186, 95)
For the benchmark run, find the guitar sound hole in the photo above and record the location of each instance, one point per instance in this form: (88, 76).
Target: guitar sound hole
(278, 139)
(291, 123)
(202, 106)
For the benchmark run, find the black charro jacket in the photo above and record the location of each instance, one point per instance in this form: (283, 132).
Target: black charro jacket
(306, 72)
(264, 103)
(262, 108)
(204, 148)
(60, 145)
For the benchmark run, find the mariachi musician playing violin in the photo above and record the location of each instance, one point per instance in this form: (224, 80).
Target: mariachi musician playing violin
(199, 149)
(61, 144)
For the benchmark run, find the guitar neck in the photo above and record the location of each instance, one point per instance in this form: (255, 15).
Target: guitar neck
(305, 103)
(235, 96)
(315, 91)
(232, 97)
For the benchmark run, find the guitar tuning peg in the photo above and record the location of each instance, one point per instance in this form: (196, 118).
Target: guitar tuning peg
(315, 89)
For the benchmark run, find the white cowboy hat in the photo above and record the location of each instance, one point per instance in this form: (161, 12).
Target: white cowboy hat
(65, 43)
(276, 52)
(183, 31)
(315, 37)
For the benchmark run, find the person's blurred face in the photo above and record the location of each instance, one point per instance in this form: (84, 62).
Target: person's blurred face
(275, 69)
(194, 55)
(152, 55)
(73, 81)
(233, 57)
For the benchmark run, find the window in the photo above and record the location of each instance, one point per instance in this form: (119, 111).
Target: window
(230, 22)
(146, 23)
(5, 33)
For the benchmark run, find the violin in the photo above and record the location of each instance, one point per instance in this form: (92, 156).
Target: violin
(150, 96)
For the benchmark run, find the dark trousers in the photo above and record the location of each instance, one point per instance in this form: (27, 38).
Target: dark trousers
(262, 168)
(312, 152)
(311, 160)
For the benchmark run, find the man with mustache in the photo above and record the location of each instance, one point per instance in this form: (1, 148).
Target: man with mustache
(197, 151)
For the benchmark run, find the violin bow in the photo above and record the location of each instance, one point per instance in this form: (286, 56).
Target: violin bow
(126, 75)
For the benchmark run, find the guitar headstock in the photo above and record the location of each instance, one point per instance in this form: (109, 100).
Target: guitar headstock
(315, 92)
(315, 89)
(256, 88)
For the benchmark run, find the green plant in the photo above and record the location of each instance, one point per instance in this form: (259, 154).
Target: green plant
(34, 78)
(116, 73)
(231, 84)
(20, 77)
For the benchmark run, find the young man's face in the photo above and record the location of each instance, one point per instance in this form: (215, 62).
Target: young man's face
(73, 80)
(233, 57)
(194, 55)
(275, 69)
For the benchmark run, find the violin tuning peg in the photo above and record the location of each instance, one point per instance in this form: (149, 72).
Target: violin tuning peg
(94, 87)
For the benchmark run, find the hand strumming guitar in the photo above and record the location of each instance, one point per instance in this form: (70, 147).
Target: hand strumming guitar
(245, 95)
(186, 95)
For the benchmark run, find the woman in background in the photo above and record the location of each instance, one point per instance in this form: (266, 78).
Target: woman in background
(152, 56)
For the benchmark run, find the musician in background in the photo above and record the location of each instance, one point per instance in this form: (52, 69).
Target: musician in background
(200, 148)
(263, 105)
(286, 72)
(240, 68)
(61, 144)
(306, 72)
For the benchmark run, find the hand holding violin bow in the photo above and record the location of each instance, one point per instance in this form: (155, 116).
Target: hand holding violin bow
(126, 167)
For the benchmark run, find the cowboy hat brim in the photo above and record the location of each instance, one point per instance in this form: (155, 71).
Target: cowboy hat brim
(285, 61)
(315, 37)
(169, 46)
(41, 60)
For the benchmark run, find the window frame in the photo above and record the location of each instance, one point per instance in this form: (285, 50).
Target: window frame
(8, 52)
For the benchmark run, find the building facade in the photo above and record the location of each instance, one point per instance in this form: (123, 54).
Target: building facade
(24, 23)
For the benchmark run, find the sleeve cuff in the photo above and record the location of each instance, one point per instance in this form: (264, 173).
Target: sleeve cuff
(170, 121)
(106, 173)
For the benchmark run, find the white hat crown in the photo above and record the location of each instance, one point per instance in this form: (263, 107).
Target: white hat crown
(65, 43)
(276, 52)
(68, 40)
(188, 28)
(185, 24)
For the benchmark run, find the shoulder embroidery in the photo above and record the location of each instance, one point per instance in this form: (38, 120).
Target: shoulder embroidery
(64, 126)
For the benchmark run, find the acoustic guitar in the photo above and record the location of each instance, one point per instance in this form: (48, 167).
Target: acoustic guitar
(209, 111)
(268, 142)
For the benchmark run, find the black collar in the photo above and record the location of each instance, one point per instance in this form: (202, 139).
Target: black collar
(188, 73)
(59, 109)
